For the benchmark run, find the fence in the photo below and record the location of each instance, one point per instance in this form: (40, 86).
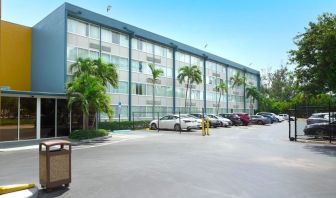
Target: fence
(312, 123)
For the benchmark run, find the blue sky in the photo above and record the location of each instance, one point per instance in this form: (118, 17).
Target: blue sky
(251, 32)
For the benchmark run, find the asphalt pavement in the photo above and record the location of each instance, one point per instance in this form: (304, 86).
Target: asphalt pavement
(252, 161)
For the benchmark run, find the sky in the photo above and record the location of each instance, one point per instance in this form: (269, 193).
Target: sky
(255, 33)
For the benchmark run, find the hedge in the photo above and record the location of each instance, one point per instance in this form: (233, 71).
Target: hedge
(124, 125)
(87, 134)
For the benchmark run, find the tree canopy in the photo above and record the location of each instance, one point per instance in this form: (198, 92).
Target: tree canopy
(315, 56)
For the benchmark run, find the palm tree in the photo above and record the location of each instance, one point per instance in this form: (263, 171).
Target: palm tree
(88, 87)
(189, 75)
(237, 80)
(156, 73)
(222, 89)
(252, 93)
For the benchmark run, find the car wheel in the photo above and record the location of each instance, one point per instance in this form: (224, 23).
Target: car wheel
(260, 122)
(153, 126)
(321, 133)
(177, 127)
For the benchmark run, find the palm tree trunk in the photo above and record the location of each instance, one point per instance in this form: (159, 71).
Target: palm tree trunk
(186, 97)
(94, 120)
(220, 94)
(190, 99)
(153, 106)
(85, 121)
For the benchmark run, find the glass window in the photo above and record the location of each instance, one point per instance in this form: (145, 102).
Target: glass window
(94, 31)
(83, 53)
(135, 66)
(105, 58)
(62, 118)
(115, 38)
(47, 118)
(169, 72)
(78, 27)
(169, 53)
(149, 48)
(140, 45)
(94, 54)
(72, 53)
(123, 63)
(138, 89)
(27, 118)
(115, 60)
(124, 40)
(76, 117)
(8, 118)
(106, 35)
(160, 90)
(158, 50)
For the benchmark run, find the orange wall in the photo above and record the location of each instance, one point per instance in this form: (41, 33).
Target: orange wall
(15, 56)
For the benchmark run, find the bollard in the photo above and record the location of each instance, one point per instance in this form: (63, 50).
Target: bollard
(158, 128)
(207, 131)
(203, 132)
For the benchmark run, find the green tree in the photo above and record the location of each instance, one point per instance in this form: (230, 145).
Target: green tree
(87, 88)
(315, 56)
(156, 74)
(237, 80)
(189, 75)
(252, 93)
(222, 89)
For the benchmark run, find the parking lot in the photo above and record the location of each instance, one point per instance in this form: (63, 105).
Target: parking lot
(244, 161)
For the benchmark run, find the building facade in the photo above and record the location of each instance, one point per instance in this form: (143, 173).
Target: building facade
(71, 32)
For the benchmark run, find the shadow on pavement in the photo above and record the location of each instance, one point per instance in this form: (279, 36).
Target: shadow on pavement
(323, 149)
(56, 192)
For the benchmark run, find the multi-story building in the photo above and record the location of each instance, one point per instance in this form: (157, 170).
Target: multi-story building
(70, 32)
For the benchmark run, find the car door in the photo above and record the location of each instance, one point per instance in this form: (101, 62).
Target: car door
(163, 122)
(171, 122)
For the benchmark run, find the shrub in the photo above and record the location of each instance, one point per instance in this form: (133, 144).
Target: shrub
(87, 134)
(124, 125)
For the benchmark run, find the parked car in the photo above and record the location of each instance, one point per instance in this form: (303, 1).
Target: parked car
(268, 114)
(198, 120)
(223, 121)
(235, 119)
(320, 117)
(244, 117)
(320, 129)
(174, 122)
(280, 118)
(258, 119)
(212, 121)
(286, 116)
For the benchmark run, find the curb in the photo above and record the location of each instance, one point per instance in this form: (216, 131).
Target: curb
(28, 193)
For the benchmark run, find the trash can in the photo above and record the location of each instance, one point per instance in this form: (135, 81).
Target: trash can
(55, 163)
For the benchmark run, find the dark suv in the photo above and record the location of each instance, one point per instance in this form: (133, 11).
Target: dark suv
(233, 117)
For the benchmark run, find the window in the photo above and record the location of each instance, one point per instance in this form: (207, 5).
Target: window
(72, 53)
(138, 89)
(94, 31)
(140, 45)
(106, 35)
(158, 50)
(27, 118)
(123, 63)
(160, 90)
(78, 27)
(94, 54)
(83, 53)
(105, 58)
(62, 118)
(124, 40)
(149, 48)
(169, 72)
(47, 117)
(115, 38)
(8, 118)
(122, 88)
(115, 60)
(169, 53)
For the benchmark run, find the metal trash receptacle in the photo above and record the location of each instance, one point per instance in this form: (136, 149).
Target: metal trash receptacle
(55, 163)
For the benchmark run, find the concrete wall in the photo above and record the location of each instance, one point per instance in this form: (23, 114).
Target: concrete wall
(49, 51)
(15, 56)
